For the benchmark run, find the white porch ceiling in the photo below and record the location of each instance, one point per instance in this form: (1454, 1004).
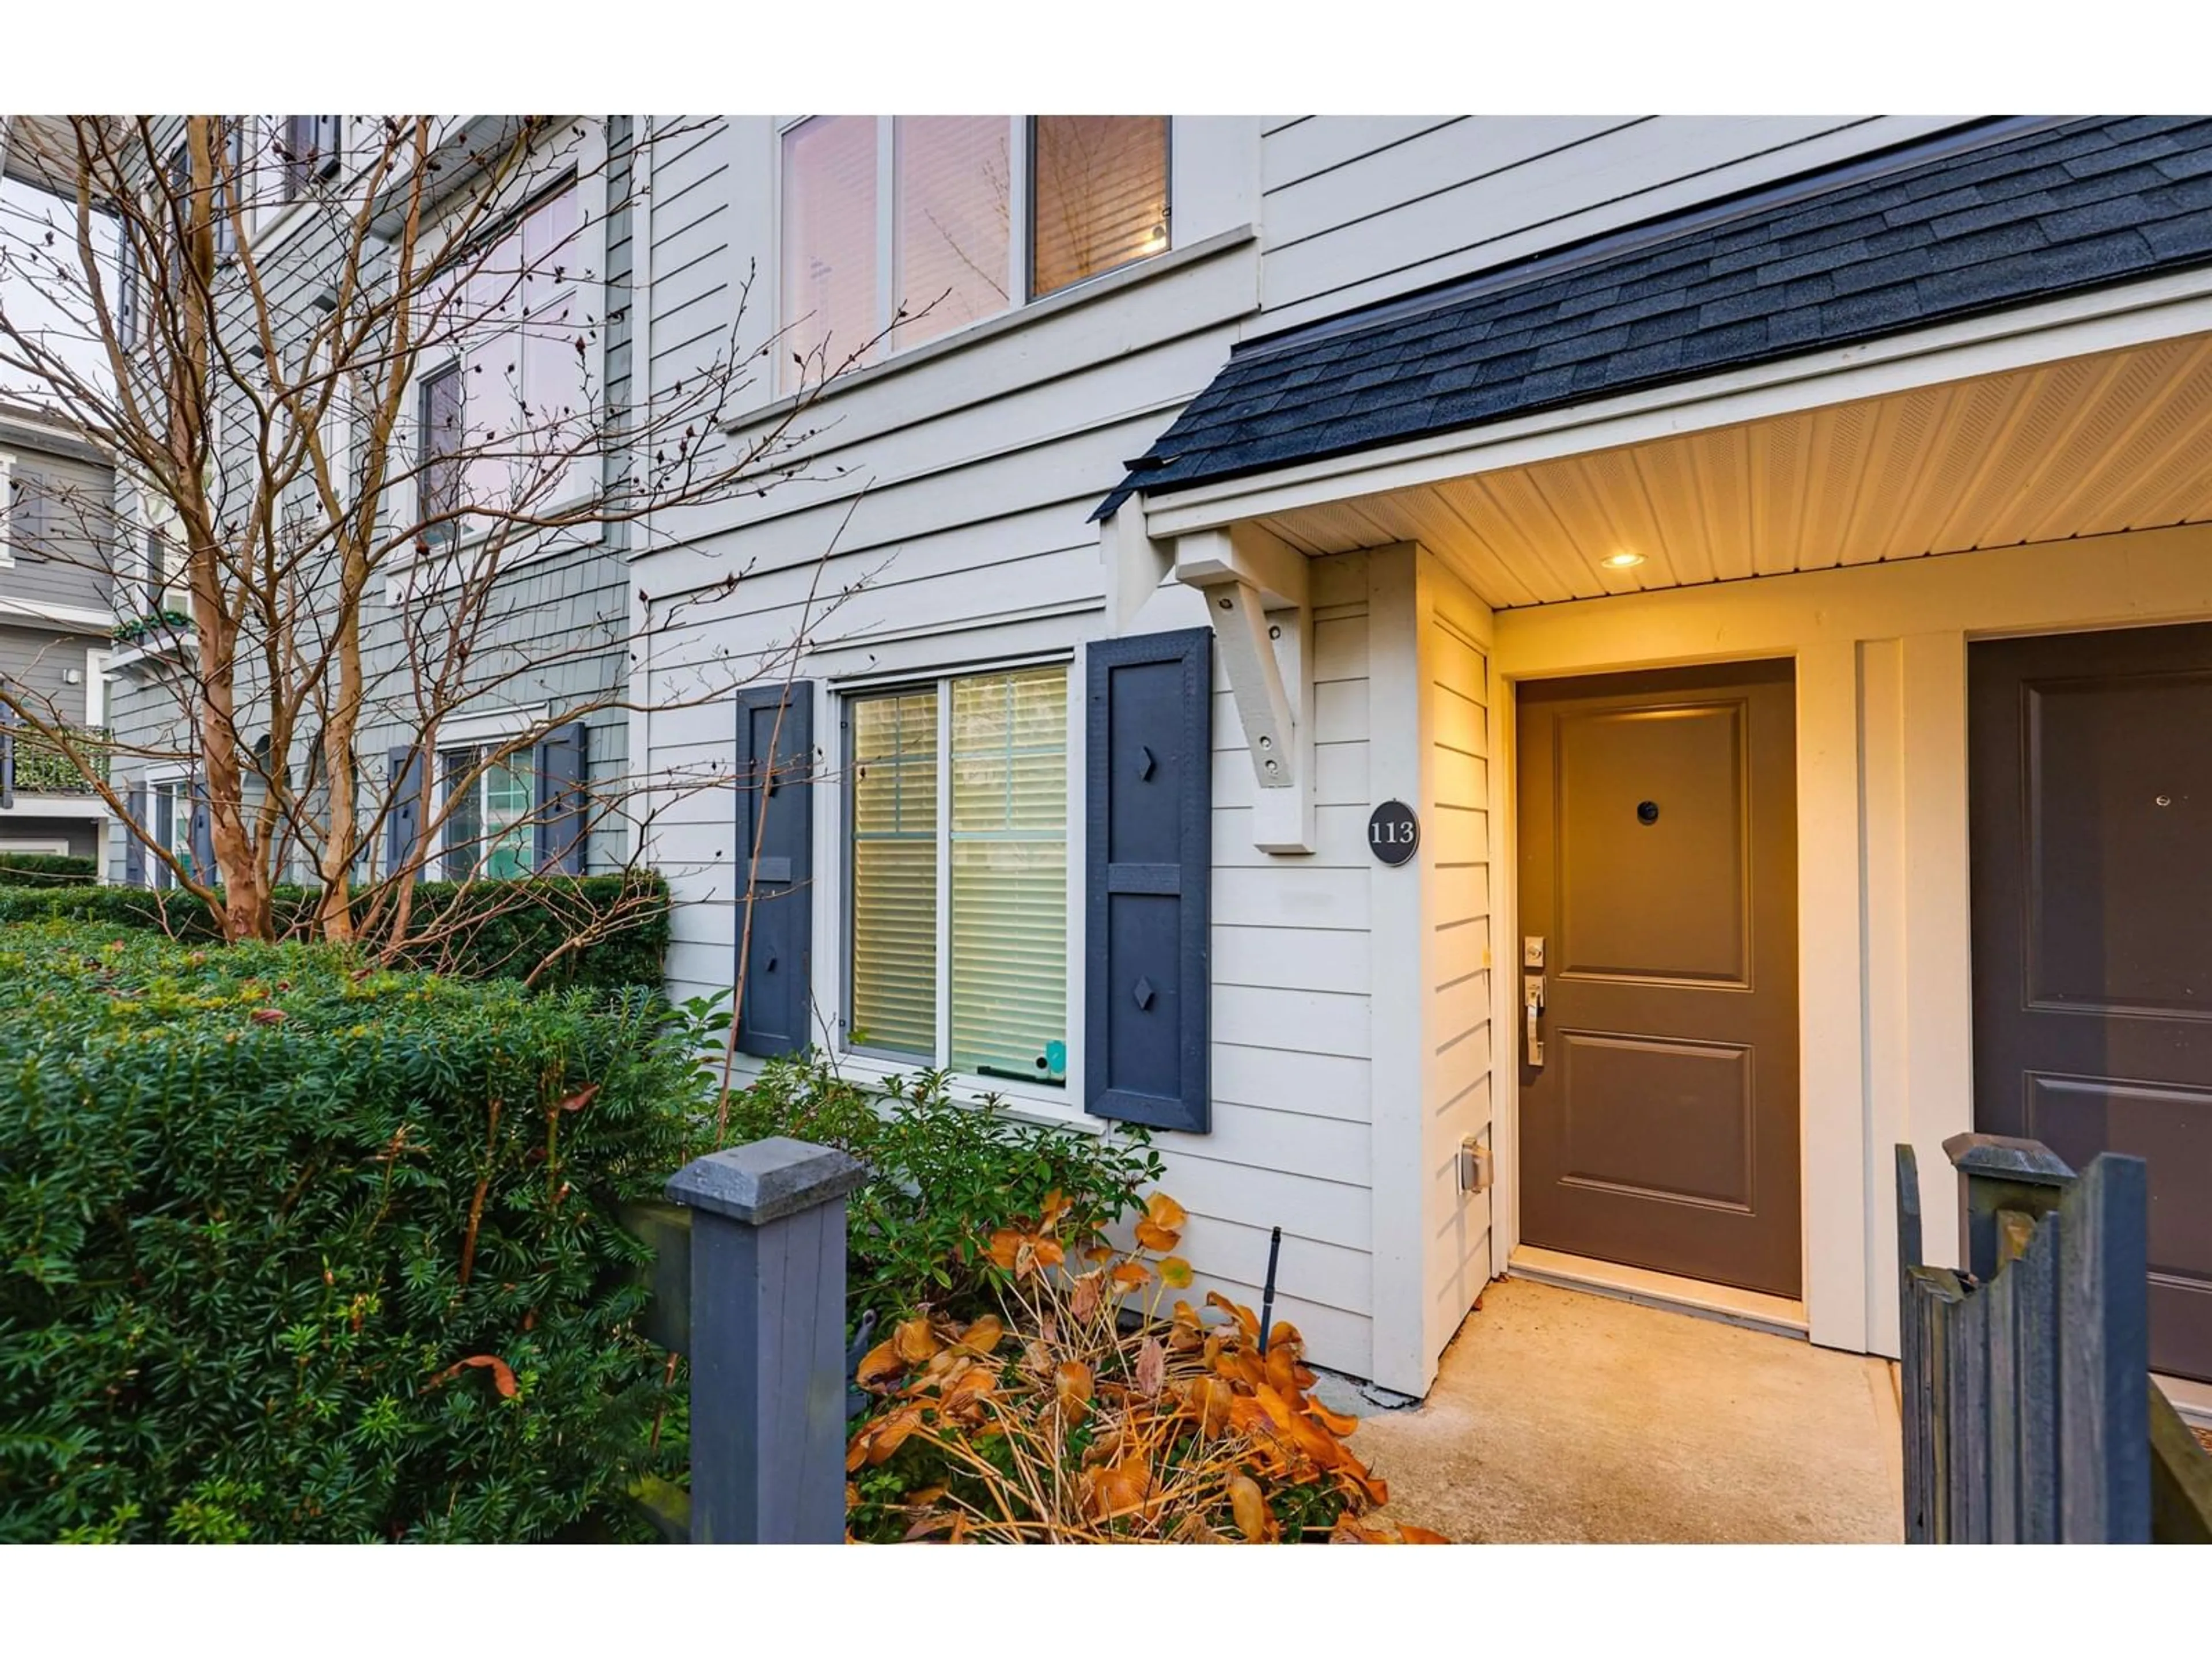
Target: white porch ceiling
(2082, 447)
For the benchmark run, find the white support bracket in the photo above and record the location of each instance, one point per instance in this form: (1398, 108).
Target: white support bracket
(1255, 588)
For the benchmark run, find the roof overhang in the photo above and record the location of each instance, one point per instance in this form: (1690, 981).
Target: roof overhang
(2094, 410)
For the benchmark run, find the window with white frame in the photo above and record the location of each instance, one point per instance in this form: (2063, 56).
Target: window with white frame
(956, 924)
(169, 816)
(502, 401)
(909, 227)
(489, 829)
(230, 164)
(307, 148)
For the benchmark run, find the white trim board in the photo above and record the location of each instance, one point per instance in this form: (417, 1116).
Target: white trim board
(59, 616)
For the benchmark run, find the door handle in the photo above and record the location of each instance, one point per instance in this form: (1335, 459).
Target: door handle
(1532, 1009)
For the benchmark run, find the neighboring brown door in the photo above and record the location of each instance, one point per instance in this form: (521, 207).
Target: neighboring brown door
(2091, 805)
(1658, 842)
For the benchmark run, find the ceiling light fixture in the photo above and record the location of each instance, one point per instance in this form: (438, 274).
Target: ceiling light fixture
(1624, 561)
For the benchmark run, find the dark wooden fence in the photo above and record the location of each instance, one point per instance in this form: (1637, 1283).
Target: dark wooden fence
(748, 1283)
(2029, 1411)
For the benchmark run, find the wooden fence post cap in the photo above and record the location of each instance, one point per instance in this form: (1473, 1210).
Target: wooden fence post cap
(763, 1181)
(2008, 1158)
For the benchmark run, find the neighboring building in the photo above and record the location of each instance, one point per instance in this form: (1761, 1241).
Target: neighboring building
(1765, 557)
(56, 496)
(552, 637)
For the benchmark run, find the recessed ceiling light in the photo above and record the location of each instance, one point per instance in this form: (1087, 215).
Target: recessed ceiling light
(1624, 561)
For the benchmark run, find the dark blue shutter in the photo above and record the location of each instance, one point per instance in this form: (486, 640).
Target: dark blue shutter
(1148, 856)
(126, 289)
(775, 771)
(8, 721)
(204, 870)
(134, 848)
(403, 824)
(563, 826)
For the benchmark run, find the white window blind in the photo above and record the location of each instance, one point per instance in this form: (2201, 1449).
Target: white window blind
(1009, 964)
(894, 911)
(958, 912)
(1100, 196)
(829, 239)
(954, 182)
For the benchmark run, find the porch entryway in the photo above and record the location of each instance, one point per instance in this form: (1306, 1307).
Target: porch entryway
(1562, 1417)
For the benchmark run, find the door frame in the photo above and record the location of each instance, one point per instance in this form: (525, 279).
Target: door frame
(1506, 991)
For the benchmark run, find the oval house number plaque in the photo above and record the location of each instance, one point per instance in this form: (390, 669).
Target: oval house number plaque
(1393, 832)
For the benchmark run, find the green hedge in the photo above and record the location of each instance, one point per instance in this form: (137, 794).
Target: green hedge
(47, 870)
(238, 1295)
(492, 936)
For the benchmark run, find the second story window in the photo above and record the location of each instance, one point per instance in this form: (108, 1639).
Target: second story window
(306, 149)
(440, 395)
(897, 230)
(503, 402)
(230, 163)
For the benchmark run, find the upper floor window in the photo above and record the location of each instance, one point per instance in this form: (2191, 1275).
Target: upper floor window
(230, 163)
(899, 229)
(503, 402)
(23, 505)
(307, 148)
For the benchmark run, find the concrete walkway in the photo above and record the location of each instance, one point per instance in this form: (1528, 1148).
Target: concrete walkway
(1564, 1417)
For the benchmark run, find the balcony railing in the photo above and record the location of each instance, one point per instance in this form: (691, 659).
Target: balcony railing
(39, 766)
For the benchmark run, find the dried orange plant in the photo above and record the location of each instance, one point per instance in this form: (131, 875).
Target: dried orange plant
(1068, 1421)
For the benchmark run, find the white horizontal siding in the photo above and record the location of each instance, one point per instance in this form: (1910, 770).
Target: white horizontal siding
(942, 521)
(1290, 1144)
(1354, 211)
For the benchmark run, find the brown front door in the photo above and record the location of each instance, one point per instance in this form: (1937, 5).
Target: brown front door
(1658, 864)
(2091, 808)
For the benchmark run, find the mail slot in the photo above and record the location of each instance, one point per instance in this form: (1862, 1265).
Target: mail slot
(772, 870)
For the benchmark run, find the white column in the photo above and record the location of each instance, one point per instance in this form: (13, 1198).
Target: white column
(1831, 991)
(1399, 952)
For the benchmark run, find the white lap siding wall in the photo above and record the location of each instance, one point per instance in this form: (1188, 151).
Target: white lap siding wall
(1359, 209)
(946, 523)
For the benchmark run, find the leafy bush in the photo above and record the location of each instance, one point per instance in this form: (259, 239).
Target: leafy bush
(943, 1176)
(293, 1248)
(47, 870)
(1097, 1429)
(165, 623)
(490, 930)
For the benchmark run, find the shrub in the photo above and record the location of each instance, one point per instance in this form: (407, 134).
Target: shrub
(1066, 1422)
(162, 623)
(943, 1176)
(47, 870)
(495, 930)
(293, 1248)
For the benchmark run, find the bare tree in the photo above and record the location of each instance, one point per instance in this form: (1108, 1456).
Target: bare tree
(352, 377)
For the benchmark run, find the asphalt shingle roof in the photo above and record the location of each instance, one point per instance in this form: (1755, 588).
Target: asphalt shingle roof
(1887, 247)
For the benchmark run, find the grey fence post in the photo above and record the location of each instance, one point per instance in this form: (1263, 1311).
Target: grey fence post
(767, 1341)
(1998, 1174)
